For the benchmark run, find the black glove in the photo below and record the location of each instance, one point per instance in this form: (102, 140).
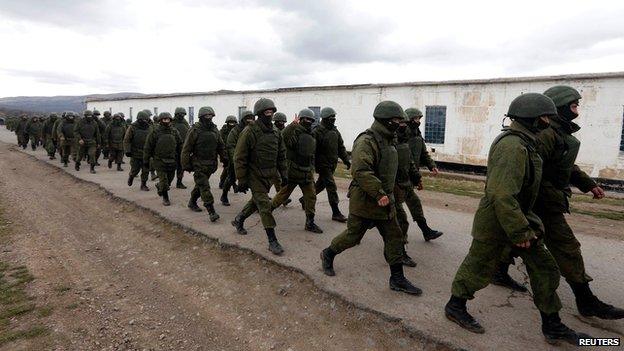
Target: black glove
(128, 154)
(348, 164)
(284, 181)
(242, 188)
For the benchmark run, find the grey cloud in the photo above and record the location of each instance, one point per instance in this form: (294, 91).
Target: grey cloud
(107, 80)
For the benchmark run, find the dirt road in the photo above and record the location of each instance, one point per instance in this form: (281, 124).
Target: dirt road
(114, 276)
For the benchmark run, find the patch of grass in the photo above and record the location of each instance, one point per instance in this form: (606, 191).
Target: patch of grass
(13, 335)
(604, 201)
(45, 311)
(62, 289)
(613, 215)
(72, 306)
(16, 310)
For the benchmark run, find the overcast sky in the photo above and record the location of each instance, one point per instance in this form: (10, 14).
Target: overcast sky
(72, 47)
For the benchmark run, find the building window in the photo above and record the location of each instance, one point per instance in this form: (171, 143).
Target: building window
(155, 111)
(240, 111)
(435, 124)
(130, 114)
(317, 113)
(191, 114)
(622, 136)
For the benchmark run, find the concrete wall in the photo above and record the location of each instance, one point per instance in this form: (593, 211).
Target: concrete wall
(473, 116)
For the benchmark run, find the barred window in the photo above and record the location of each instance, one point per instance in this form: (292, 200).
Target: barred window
(155, 111)
(130, 114)
(191, 114)
(317, 113)
(240, 111)
(435, 124)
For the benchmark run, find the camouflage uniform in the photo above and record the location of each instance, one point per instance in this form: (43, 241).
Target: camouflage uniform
(182, 127)
(65, 132)
(34, 129)
(20, 131)
(113, 141)
(230, 123)
(87, 135)
(134, 142)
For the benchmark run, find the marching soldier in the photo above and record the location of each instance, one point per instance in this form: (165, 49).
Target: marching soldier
(134, 142)
(180, 123)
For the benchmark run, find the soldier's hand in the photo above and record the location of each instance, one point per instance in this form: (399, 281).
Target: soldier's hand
(242, 188)
(420, 186)
(435, 171)
(525, 244)
(81, 142)
(383, 201)
(295, 119)
(598, 192)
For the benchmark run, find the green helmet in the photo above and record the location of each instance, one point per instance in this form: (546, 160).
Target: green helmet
(230, 118)
(413, 112)
(388, 110)
(206, 110)
(142, 115)
(246, 114)
(531, 105)
(53, 115)
(328, 112)
(562, 95)
(148, 111)
(180, 111)
(117, 115)
(87, 113)
(70, 114)
(164, 115)
(96, 113)
(107, 114)
(262, 105)
(121, 114)
(306, 113)
(279, 117)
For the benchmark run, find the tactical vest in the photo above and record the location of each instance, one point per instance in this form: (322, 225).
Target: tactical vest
(166, 145)
(388, 162)
(416, 146)
(205, 148)
(302, 155)
(404, 157)
(327, 147)
(264, 154)
(558, 170)
(116, 133)
(68, 130)
(88, 130)
(138, 139)
(181, 126)
(49, 126)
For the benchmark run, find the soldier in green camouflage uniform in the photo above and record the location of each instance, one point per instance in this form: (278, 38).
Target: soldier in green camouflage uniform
(153, 124)
(259, 156)
(279, 121)
(106, 120)
(246, 118)
(329, 147)
(421, 157)
(199, 155)
(48, 132)
(113, 141)
(65, 132)
(102, 128)
(88, 137)
(55, 135)
(134, 142)
(34, 129)
(505, 218)
(230, 123)
(371, 194)
(163, 145)
(182, 126)
(300, 151)
(20, 131)
(559, 148)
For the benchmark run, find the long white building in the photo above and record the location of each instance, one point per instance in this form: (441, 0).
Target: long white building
(461, 117)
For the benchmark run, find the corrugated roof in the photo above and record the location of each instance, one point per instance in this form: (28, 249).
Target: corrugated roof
(580, 76)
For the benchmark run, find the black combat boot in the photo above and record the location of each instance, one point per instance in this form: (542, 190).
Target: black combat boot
(130, 180)
(77, 166)
(590, 306)
(502, 278)
(165, 196)
(407, 260)
(192, 204)
(455, 310)
(327, 261)
(311, 226)
(212, 214)
(110, 164)
(287, 202)
(238, 223)
(398, 282)
(221, 183)
(144, 185)
(224, 199)
(179, 184)
(92, 169)
(64, 164)
(302, 203)
(119, 169)
(428, 233)
(274, 245)
(555, 331)
(336, 214)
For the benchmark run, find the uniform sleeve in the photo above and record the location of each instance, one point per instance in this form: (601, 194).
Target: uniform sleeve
(342, 151)
(185, 155)
(77, 134)
(179, 142)
(221, 149)
(506, 172)
(582, 180)
(289, 135)
(281, 156)
(425, 158)
(230, 144)
(547, 144)
(148, 149)
(106, 137)
(98, 134)
(241, 156)
(127, 142)
(362, 167)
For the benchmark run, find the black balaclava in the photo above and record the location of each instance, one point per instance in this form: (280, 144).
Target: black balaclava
(163, 123)
(329, 122)
(206, 119)
(279, 125)
(266, 120)
(389, 124)
(306, 123)
(413, 124)
(566, 112)
(533, 124)
(402, 133)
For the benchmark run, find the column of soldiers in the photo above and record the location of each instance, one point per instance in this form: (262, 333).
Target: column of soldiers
(531, 166)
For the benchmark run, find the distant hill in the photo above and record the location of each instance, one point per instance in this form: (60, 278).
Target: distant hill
(54, 103)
